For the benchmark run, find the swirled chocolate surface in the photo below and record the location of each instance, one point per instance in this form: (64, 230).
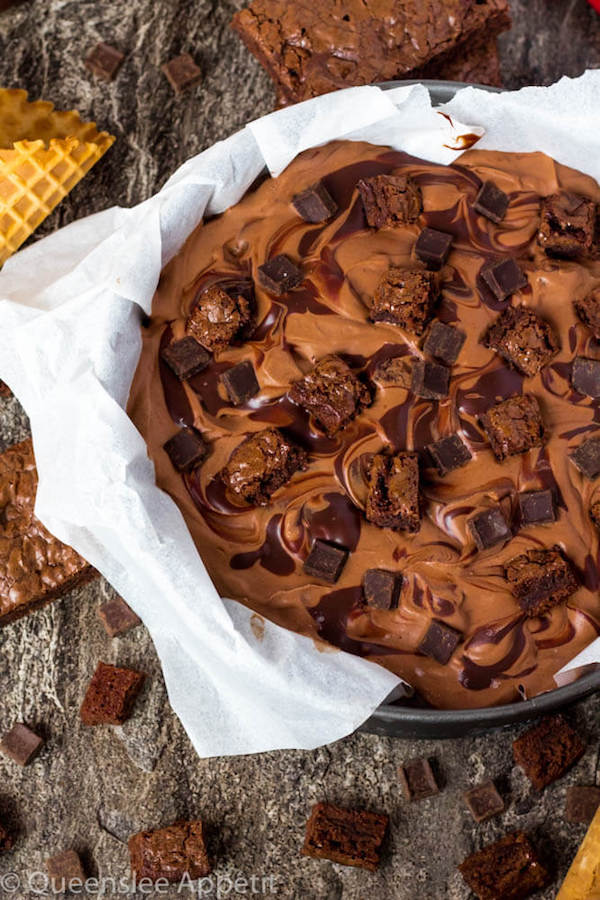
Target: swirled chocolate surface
(255, 554)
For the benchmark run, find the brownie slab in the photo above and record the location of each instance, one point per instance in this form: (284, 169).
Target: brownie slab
(406, 297)
(509, 869)
(393, 495)
(332, 393)
(522, 338)
(261, 464)
(547, 751)
(170, 852)
(541, 579)
(346, 836)
(514, 426)
(111, 695)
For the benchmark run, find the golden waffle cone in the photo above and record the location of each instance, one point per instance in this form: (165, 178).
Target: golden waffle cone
(43, 154)
(583, 878)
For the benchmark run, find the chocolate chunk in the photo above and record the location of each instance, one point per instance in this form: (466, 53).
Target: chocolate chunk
(585, 377)
(440, 642)
(170, 853)
(444, 342)
(332, 393)
(588, 310)
(65, 871)
(504, 278)
(117, 617)
(325, 561)
(449, 453)
(381, 589)
(491, 202)
(347, 836)
(104, 61)
(221, 316)
(430, 380)
(536, 508)
(406, 297)
(541, 579)
(595, 512)
(186, 450)
(21, 744)
(587, 457)
(393, 492)
(240, 382)
(315, 204)
(567, 225)
(514, 426)
(417, 780)
(484, 801)
(279, 275)
(489, 528)
(390, 200)
(433, 247)
(261, 464)
(185, 357)
(582, 804)
(521, 337)
(182, 72)
(6, 839)
(547, 751)
(509, 868)
(111, 695)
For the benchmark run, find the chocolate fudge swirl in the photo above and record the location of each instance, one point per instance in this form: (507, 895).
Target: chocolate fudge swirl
(256, 553)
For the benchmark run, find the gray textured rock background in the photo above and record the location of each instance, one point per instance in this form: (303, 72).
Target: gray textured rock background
(90, 789)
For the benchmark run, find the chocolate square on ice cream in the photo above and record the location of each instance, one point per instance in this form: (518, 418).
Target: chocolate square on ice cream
(522, 338)
(393, 492)
(381, 588)
(326, 561)
(315, 204)
(504, 278)
(491, 202)
(489, 528)
(567, 226)
(332, 393)
(279, 275)
(541, 579)
(261, 464)
(514, 426)
(433, 247)
(444, 342)
(406, 297)
(390, 200)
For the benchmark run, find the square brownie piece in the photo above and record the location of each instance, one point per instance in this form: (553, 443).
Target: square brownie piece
(332, 393)
(393, 492)
(406, 297)
(504, 278)
(491, 202)
(514, 426)
(522, 338)
(588, 310)
(186, 450)
(433, 247)
(508, 869)
(185, 357)
(440, 642)
(261, 464)
(117, 617)
(347, 836)
(315, 204)
(547, 751)
(219, 317)
(567, 226)
(110, 695)
(170, 852)
(536, 508)
(390, 200)
(541, 579)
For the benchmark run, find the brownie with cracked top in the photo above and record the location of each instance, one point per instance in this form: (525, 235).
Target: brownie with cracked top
(261, 464)
(170, 853)
(567, 226)
(541, 579)
(514, 426)
(522, 338)
(393, 494)
(406, 297)
(347, 836)
(220, 317)
(390, 200)
(332, 393)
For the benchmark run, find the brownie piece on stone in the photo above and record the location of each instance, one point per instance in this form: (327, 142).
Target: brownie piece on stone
(393, 493)
(347, 836)
(111, 695)
(6, 839)
(582, 803)
(332, 393)
(547, 751)
(220, 317)
(170, 853)
(406, 297)
(514, 426)
(567, 226)
(64, 870)
(522, 338)
(261, 464)
(508, 869)
(390, 200)
(541, 579)
(21, 744)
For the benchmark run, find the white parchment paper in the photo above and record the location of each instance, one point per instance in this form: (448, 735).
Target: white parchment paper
(70, 309)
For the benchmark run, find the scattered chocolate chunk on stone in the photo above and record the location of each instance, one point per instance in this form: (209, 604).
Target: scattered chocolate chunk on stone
(489, 528)
(514, 426)
(536, 508)
(170, 853)
(315, 204)
(508, 868)
(347, 836)
(547, 751)
(491, 202)
(390, 200)
(587, 457)
(261, 464)
(440, 642)
(406, 297)
(6, 839)
(240, 382)
(332, 393)
(325, 561)
(582, 804)
(449, 453)
(541, 579)
(218, 318)
(504, 278)
(585, 376)
(417, 779)
(444, 342)
(65, 872)
(588, 310)
(104, 61)
(280, 275)
(430, 380)
(393, 492)
(186, 357)
(111, 695)
(567, 225)
(433, 247)
(186, 450)
(21, 744)
(117, 617)
(182, 72)
(522, 338)
(484, 801)
(381, 588)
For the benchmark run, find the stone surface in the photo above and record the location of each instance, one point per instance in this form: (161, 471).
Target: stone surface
(90, 788)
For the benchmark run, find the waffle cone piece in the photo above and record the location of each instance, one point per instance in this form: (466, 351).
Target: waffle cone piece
(43, 154)
(583, 878)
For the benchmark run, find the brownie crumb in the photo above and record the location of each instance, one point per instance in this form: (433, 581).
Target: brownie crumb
(588, 310)
(547, 751)
(261, 464)
(332, 393)
(522, 338)
(111, 695)
(508, 869)
(346, 836)
(541, 579)
(390, 200)
(393, 494)
(567, 225)
(406, 297)
(219, 318)
(514, 426)
(170, 853)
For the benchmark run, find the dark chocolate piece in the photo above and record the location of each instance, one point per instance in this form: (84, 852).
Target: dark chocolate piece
(261, 464)
(117, 617)
(491, 202)
(440, 642)
(325, 561)
(444, 342)
(280, 275)
(587, 457)
(186, 450)
(111, 695)
(536, 508)
(567, 225)
(104, 61)
(21, 744)
(588, 310)
(170, 853)
(489, 528)
(390, 200)
(65, 871)
(541, 579)
(585, 376)
(514, 426)
(240, 382)
(381, 588)
(508, 869)
(430, 380)
(347, 836)
(315, 204)
(393, 492)
(433, 247)
(547, 751)
(406, 297)
(417, 779)
(449, 453)
(582, 804)
(182, 72)
(185, 357)
(221, 316)
(504, 278)
(484, 801)
(332, 393)
(521, 337)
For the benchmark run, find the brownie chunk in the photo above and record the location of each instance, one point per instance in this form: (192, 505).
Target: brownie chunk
(104, 61)
(417, 780)
(504, 278)
(406, 297)
(347, 836)
(117, 617)
(509, 869)
(315, 204)
(331, 393)
(489, 528)
(393, 494)
(585, 376)
(587, 457)
(280, 275)
(491, 202)
(449, 453)
(547, 751)
(186, 450)
(521, 337)
(430, 380)
(440, 642)
(325, 561)
(541, 579)
(6, 839)
(567, 225)
(186, 357)
(219, 318)
(240, 382)
(514, 426)
(381, 588)
(65, 869)
(582, 804)
(110, 695)
(21, 744)
(536, 508)
(261, 464)
(484, 801)
(444, 342)
(182, 72)
(396, 371)
(588, 310)
(390, 200)
(170, 853)
(433, 247)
